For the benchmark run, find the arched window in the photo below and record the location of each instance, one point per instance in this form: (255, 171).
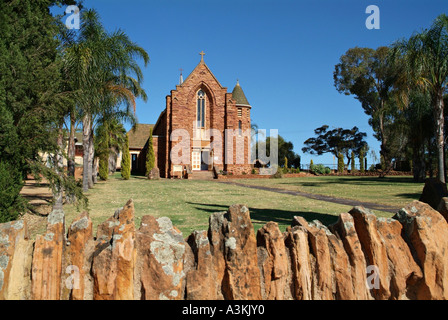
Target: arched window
(200, 113)
(240, 128)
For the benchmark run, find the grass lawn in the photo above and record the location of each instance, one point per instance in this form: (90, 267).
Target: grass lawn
(395, 191)
(189, 203)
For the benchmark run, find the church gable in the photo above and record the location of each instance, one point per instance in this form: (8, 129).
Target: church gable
(182, 103)
(201, 73)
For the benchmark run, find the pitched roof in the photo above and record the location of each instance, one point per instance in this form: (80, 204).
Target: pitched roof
(139, 136)
(239, 96)
(200, 64)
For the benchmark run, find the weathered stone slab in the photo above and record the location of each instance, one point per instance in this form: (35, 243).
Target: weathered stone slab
(427, 232)
(162, 250)
(274, 268)
(47, 259)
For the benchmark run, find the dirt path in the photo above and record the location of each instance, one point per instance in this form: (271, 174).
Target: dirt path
(348, 202)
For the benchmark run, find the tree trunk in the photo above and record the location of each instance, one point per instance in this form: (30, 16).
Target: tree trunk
(58, 166)
(384, 148)
(71, 147)
(86, 132)
(440, 142)
(95, 169)
(91, 159)
(418, 163)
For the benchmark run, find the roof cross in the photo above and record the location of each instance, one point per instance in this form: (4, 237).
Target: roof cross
(202, 55)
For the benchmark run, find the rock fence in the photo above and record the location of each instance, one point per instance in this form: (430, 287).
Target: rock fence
(359, 257)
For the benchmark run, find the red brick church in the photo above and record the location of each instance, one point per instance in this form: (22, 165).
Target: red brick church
(190, 134)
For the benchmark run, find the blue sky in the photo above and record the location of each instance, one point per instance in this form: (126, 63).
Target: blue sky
(282, 51)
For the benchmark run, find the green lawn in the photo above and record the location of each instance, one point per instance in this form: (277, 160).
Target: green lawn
(189, 203)
(395, 191)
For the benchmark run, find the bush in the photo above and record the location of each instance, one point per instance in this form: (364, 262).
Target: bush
(321, 169)
(126, 161)
(311, 166)
(11, 203)
(341, 165)
(103, 169)
(361, 160)
(254, 171)
(150, 156)
(278, 174)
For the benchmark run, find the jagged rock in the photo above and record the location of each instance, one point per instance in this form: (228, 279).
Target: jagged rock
(433, 192)
(163, 251)
(47, 259)
(322, 275)
(242, 276)
(308, 261)
(297, 243)
(154, 174)
(427, 232)
(443, 208)
(345, 229)
(15, 261)
(201, 281)
(274, 267)
(80, 240)
(375, 251)
(113, 261)
(404, 273)
(217, 243)
(340, 264)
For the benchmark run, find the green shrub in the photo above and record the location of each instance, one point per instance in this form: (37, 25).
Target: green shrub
(361, 160)
(103, 169)
(278, 174)
(341, 165)
(126, 161)
(254, 171)
(11, 203)
(321, 169)
(311, 166)
(150, 156)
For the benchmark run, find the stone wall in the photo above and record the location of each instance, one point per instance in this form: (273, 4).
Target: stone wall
(359, 257)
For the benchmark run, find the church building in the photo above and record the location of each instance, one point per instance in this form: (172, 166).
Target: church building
(203, 129)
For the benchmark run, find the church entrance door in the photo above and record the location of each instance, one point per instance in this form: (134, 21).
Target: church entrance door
(199, 161)
(196, 160)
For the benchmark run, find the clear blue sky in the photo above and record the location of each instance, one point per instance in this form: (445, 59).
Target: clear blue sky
(282, 51)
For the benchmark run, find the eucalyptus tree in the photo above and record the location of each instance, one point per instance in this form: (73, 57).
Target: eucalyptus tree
(106, 77)
(337, 141)
(425, 56)
(370, 75)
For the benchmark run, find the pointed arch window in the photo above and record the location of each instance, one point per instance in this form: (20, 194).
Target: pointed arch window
(200, 112)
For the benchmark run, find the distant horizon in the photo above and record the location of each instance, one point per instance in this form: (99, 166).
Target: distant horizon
(283, 53)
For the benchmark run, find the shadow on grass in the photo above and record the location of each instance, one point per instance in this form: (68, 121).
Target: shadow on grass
(282, 217)
(354, 180)
(413, 196)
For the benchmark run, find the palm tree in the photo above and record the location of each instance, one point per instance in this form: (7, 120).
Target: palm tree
(426, 58)
(106, 78)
